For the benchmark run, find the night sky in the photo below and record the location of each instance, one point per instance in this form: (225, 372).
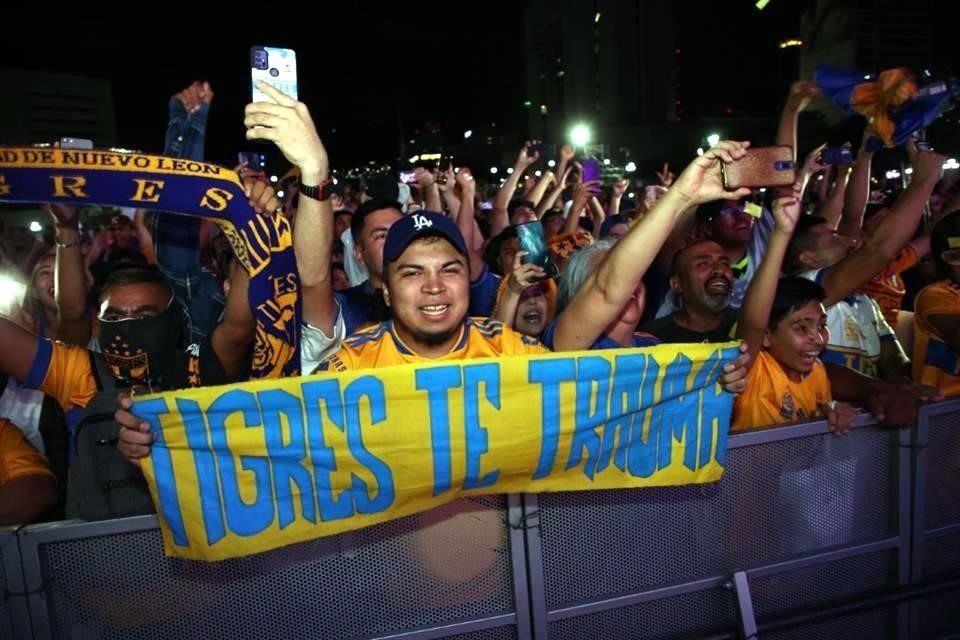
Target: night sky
(366, 69)
(360, 71)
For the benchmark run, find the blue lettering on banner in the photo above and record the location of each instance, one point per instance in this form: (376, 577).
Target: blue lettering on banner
(370, 388)
(642, 455)
(195, 428)
(290, 477)
(169, 505)
(437, 382)
(549, 374)
(625, 404)
(322, 457)
(676, 423)
(242, 519)
(593, 385)
(475, 434)
(708, 404)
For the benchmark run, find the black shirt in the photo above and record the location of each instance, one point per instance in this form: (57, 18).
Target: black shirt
(669, 331)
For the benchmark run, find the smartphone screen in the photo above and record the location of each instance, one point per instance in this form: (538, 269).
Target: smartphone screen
(533, 241)
(274, 66)
(407, 177)
(591, 169)
(252, 159)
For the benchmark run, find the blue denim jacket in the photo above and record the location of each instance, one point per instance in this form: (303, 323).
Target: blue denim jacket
(175, 236)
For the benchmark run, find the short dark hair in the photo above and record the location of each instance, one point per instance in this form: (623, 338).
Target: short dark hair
(136, 274)
(491, 254)
(517, 203)
(946, 228)
(675, 260)
(801, 241)
(793, 293)
(365, 209)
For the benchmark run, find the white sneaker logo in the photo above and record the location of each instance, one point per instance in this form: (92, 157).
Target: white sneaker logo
(419, 222)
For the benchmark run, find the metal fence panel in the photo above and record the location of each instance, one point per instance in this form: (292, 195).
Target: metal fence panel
(378, 581)
(685, 615)
(876, 624)
(777, 500)
(942, 479)
(14, 618)
(937, 518)
(826, 584)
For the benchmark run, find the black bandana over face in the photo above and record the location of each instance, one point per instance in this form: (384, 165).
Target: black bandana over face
(135, 349)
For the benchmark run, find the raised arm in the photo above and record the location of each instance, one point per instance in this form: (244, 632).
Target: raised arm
(893, 232)
(547, 203)
(427, 181)
(758, 300)
(832, 208)
(288, 124)
(858, 191)
(447, 192)
(71, 277)
(616, 195)
(800, 95)
(581, 196)
(19, 349)
(536, 194)
(610, 286)
(467, 222)
(500, 219)
(566, 155)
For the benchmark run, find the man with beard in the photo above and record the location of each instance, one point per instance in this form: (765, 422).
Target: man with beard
(701, 277)
(743, 240)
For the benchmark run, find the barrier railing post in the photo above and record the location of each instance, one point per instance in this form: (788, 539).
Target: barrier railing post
(517, 523)
(535, 581)
(748, 621)
(905, 502)
(15, 622)
(919, 439)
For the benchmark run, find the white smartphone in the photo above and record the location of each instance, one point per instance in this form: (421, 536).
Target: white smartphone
(275, 66)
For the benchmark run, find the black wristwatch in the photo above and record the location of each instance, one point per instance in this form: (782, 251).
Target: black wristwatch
(321, 192)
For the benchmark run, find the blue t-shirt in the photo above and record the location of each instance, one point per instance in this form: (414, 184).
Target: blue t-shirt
(639, 339)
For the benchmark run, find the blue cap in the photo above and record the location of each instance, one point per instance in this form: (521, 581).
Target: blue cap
(419, 225)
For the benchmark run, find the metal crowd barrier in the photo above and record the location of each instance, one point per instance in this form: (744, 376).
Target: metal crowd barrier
(801, 518)
(14, 620)
(936, 519)
(808, 535)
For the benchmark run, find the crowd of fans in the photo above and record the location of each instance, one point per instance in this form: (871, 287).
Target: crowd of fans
(813, 281)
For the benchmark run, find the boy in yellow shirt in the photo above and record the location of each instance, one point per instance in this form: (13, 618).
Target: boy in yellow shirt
(784, 325)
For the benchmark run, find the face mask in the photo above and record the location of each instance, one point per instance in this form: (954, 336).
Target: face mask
(134, 349)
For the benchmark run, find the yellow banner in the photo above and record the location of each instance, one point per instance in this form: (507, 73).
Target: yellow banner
(241, 469)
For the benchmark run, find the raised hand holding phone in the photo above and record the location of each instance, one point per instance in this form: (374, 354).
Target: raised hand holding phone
(287, 122)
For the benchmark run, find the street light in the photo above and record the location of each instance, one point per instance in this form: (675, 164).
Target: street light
(580, 135)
